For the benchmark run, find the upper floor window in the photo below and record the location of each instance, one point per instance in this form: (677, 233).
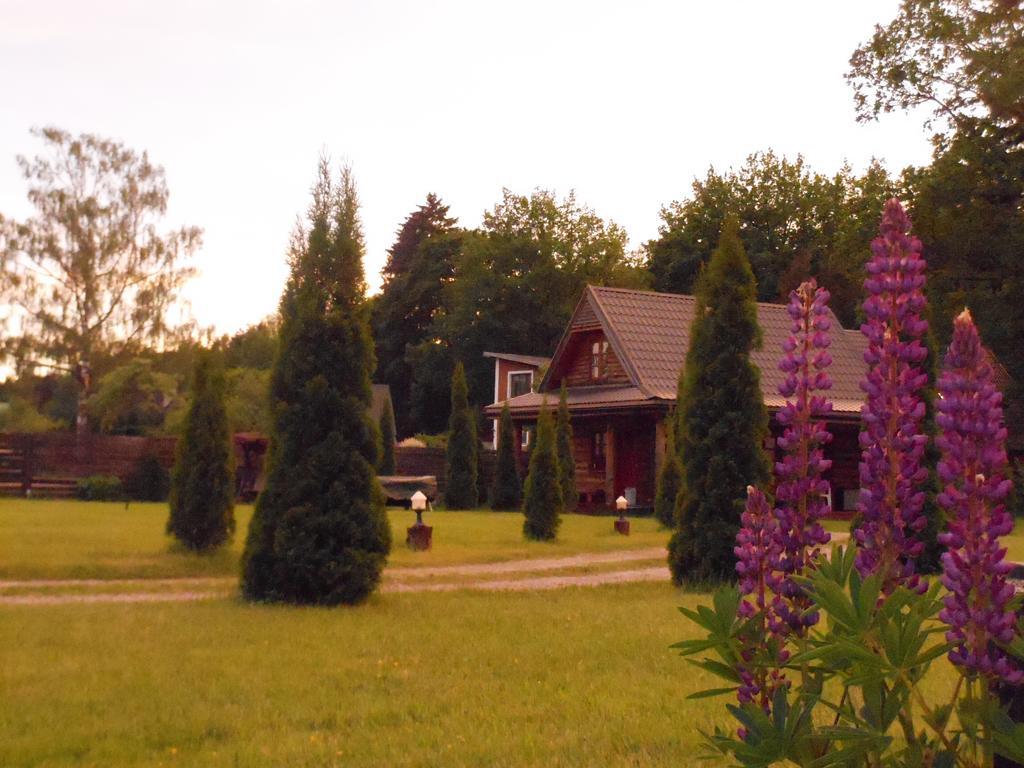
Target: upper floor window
(599, 360)
(520, 383)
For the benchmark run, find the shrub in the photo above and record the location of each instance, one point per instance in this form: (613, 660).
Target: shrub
(319, 534)
(99, 488)
(542, 495)
(722, 418)
(670, 480)
(202, 484)
(386, 464)
(149, 481)
(507, 491)
(566, 460)
(460, 490)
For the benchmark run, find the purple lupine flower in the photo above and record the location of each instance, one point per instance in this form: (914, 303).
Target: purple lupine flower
(973, 445)
(756, 552)
(800, 494)
(892, 439)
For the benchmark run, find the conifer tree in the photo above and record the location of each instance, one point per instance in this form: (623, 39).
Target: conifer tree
(506, 492)
(481, 475)
(460, 490)
(722, 419)
(386, 464)
(542, 494)
(319, 534)
(670, 479)
(566, 460)
(202, 498)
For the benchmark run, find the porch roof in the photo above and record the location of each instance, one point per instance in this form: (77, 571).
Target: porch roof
(579, 399)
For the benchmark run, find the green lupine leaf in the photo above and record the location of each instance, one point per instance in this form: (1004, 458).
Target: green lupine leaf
(706, 694)
(717, 668)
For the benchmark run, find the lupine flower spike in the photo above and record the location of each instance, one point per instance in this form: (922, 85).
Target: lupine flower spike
(800, 494)
(972, 470)
(892, 440)
(756, 550)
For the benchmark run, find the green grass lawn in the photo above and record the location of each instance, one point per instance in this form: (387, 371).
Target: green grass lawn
(576, 677)
(73, 539)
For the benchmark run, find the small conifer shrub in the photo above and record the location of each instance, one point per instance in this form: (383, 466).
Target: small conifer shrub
(566, 461)
(386, 465)
(507, 491)
(461, 469)
(542, 495)
(670, 480)
(319, 534)
(722, 419)
(203, 483)
(149, 481)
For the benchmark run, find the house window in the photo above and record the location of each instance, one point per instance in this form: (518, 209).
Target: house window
(597, 451)
(599, 360)
(524, 438)
(520, 383)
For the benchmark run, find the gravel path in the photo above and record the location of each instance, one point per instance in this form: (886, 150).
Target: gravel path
(112, 597)
(524, 566)
(396, 580)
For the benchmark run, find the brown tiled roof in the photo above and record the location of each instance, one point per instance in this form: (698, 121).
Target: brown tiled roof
(651, 333)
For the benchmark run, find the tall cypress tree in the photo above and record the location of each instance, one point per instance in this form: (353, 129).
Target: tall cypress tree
(722, 418)
(460, 490)
(507, 491)
(319, 533)
(566, 460)
(386, 463)
(203, 482)
(670, 480)
(542, 495)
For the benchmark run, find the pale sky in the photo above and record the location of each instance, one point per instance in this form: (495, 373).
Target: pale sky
(624, 101)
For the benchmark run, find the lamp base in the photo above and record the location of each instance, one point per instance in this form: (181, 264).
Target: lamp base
(419, 537)
(622, 526)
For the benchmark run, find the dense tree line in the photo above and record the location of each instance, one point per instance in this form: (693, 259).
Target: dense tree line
(450, 294)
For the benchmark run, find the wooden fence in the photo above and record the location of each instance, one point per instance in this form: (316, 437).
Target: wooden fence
(51, 463)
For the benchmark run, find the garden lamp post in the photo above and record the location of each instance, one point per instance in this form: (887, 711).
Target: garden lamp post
(622, 524)
(419, 536)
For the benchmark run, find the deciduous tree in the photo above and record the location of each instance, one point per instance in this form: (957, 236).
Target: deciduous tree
(90, 272)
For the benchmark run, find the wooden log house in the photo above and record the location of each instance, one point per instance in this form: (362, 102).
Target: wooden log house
(620, 358)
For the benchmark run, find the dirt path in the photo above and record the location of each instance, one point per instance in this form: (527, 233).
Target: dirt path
(397, 580)
(112, 597)
(524, 566)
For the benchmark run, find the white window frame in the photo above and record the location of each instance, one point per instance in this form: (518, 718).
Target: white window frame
(599, 360)
(508, 382)
(524, 437)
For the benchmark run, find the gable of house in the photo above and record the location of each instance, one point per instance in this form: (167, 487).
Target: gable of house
(647, 337)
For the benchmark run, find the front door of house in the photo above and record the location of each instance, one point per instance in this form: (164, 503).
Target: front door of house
(634, 462)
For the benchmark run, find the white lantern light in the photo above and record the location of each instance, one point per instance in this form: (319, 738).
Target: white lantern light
(621, 503)
(419, 501)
